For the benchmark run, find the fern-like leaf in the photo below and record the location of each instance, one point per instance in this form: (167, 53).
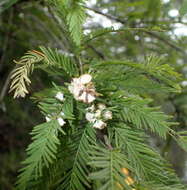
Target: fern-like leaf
(60, 60)
(75, 18)
(147, 164)
(5, 4)
(77, 176)
(41, 152)
(137, 112)
(140, 156)
(108, 166)
(153, 68)
(49, 57)
(20, 75)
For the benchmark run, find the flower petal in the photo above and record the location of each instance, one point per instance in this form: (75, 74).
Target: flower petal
(61, 121)
(60, 96)
(85, 79)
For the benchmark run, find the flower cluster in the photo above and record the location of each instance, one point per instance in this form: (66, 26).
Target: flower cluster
(83, 89)
(98, 116)
(59, 96)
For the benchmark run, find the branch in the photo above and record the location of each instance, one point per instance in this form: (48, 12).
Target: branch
(106, 15)
(96, 51)
(6, 40)
(120, 30)
(166, 41)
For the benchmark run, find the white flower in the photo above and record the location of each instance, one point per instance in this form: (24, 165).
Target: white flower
(99, 124)
(85, 79)
(98, 113)
(91, 108)
(107, 115)
(47, 119)
(101, 106)
(60, 96)
(83, 97)
(86, 97)
(61, 121)
(62, 113)
(76, 88)
(90, 98)
(70, 88)
(90, 117)
(82, 88)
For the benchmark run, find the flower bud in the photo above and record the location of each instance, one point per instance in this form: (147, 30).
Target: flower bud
(107, 115)
(47, 119)
(61, 121)
(101, 106)
(90, 117)
(60, 96)
(85, 79)
(99, 124)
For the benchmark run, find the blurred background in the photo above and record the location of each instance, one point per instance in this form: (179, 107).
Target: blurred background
(27, 24)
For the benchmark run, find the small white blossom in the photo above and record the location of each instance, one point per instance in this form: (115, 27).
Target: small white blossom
(107, 115)
(90, 117)
(86, 97)
(83, 96)
(91, 108)
(85, 79)
(98, 113)
(60, 96)
(101, 106)
(47, 119)
(83, 89)
(70, 88)
(90, 98)
(61, 121)
(76, 88)
(62, 113)
(99, 124)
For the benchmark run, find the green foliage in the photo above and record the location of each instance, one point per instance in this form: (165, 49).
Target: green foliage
(107, 166)
(75, 19)
(20, 76)
(182, 139)
(61, 61)
(79, 145)
(20, 79)
(183, 9)
(75, 16)
(152, 68)
(5, 4)
(141, 157)
(80, 157)
(41, 152)
(137, 112)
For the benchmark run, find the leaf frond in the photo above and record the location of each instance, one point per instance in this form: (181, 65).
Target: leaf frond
(41, 152)
(79, 145)
(107, 165)
(20, 75)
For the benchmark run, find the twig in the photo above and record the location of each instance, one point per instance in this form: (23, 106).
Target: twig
(96, 51)
(167, 42)
(106, 15)
(6, 41)
(119, 30)
(107, 142)
(6, 85)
